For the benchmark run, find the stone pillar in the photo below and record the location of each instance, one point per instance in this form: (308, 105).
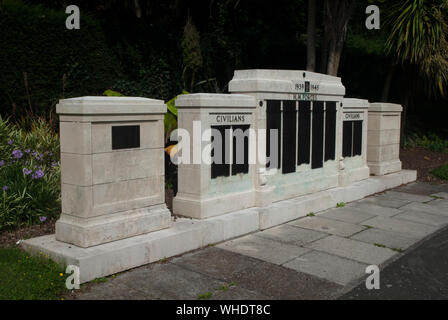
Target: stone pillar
(112, 169)
(354, 141)
(383, 143)
(201, 192)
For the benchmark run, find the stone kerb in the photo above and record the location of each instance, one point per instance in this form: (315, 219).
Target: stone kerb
(208, 189)
(112, 169)
(383, 141)
(354, 141)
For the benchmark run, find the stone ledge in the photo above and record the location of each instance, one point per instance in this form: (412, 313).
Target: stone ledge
(188, 234)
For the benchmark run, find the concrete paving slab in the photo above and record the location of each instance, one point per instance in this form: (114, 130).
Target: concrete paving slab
(333, 268)
(291, 235)
(352, 249)
(163, 281)
(443, 195)
(389, 239)
(428, 208)
(374, 209)
(264, 249)
(423, 217)
(405, 196)
(236, 292)
(441, 203)
(112, 291)
(420, 274)
(409, 228)
(215, 262)
(169, 281)
(339, 228)
(283, 283)
(384, 202)
(423, 188)
(350, 215)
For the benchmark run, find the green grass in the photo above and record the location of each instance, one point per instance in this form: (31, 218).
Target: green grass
(24, 277)
(310, 214)
(205, 296)
(340, 205)
(441, 172)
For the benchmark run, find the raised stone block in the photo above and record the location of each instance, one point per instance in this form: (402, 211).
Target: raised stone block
(383, 143)
(203, 192)
(112, 169)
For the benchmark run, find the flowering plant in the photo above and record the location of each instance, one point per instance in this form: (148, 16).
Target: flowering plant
(29, 174)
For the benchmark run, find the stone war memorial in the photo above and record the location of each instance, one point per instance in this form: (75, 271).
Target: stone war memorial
(281, 144)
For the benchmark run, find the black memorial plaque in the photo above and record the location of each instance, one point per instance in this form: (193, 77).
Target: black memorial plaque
(357, 138)
(347, 138)
(330, 131)
(289, 136)
(273, 121)
(240, 149)
(304, 132)
(318, 135)
(220, 167)
(125, 137)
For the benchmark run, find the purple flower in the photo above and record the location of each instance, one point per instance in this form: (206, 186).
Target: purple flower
(27, 150)
(2, 163)
(43, 219)
(54, 164)
(17, 154)
(5, 188)
(38, 174)
(27, 171)
(10, 141)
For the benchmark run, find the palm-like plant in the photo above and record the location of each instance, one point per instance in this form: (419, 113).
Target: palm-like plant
(419, 37)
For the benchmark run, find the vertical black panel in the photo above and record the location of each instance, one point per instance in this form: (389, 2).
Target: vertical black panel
(273, 121)
(318, 135)
(240, 163)
(221, 166)
(289, 136)
(125, 137)
(347, 138)
(304, 132)
(357, 138)
(330, 131)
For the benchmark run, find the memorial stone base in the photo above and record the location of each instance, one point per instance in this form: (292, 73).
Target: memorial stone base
(189, 234)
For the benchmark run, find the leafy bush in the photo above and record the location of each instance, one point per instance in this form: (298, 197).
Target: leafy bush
(432, 142)
(29, 174)
(42, 61)
(441, 172)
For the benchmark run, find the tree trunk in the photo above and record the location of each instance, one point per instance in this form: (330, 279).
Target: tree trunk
(325, 41)
(311, 36)
(388, 83)
(138, 10)
(337, 16)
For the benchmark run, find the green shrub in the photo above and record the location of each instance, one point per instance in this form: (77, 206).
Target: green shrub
(29, 174)
(431, 141)
(42, 61)
(441, 172)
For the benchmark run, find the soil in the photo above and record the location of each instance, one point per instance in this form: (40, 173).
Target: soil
(424, 161)
(417, 158)
(9, 238)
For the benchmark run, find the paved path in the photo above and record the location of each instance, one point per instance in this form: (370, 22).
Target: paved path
(321, 256)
